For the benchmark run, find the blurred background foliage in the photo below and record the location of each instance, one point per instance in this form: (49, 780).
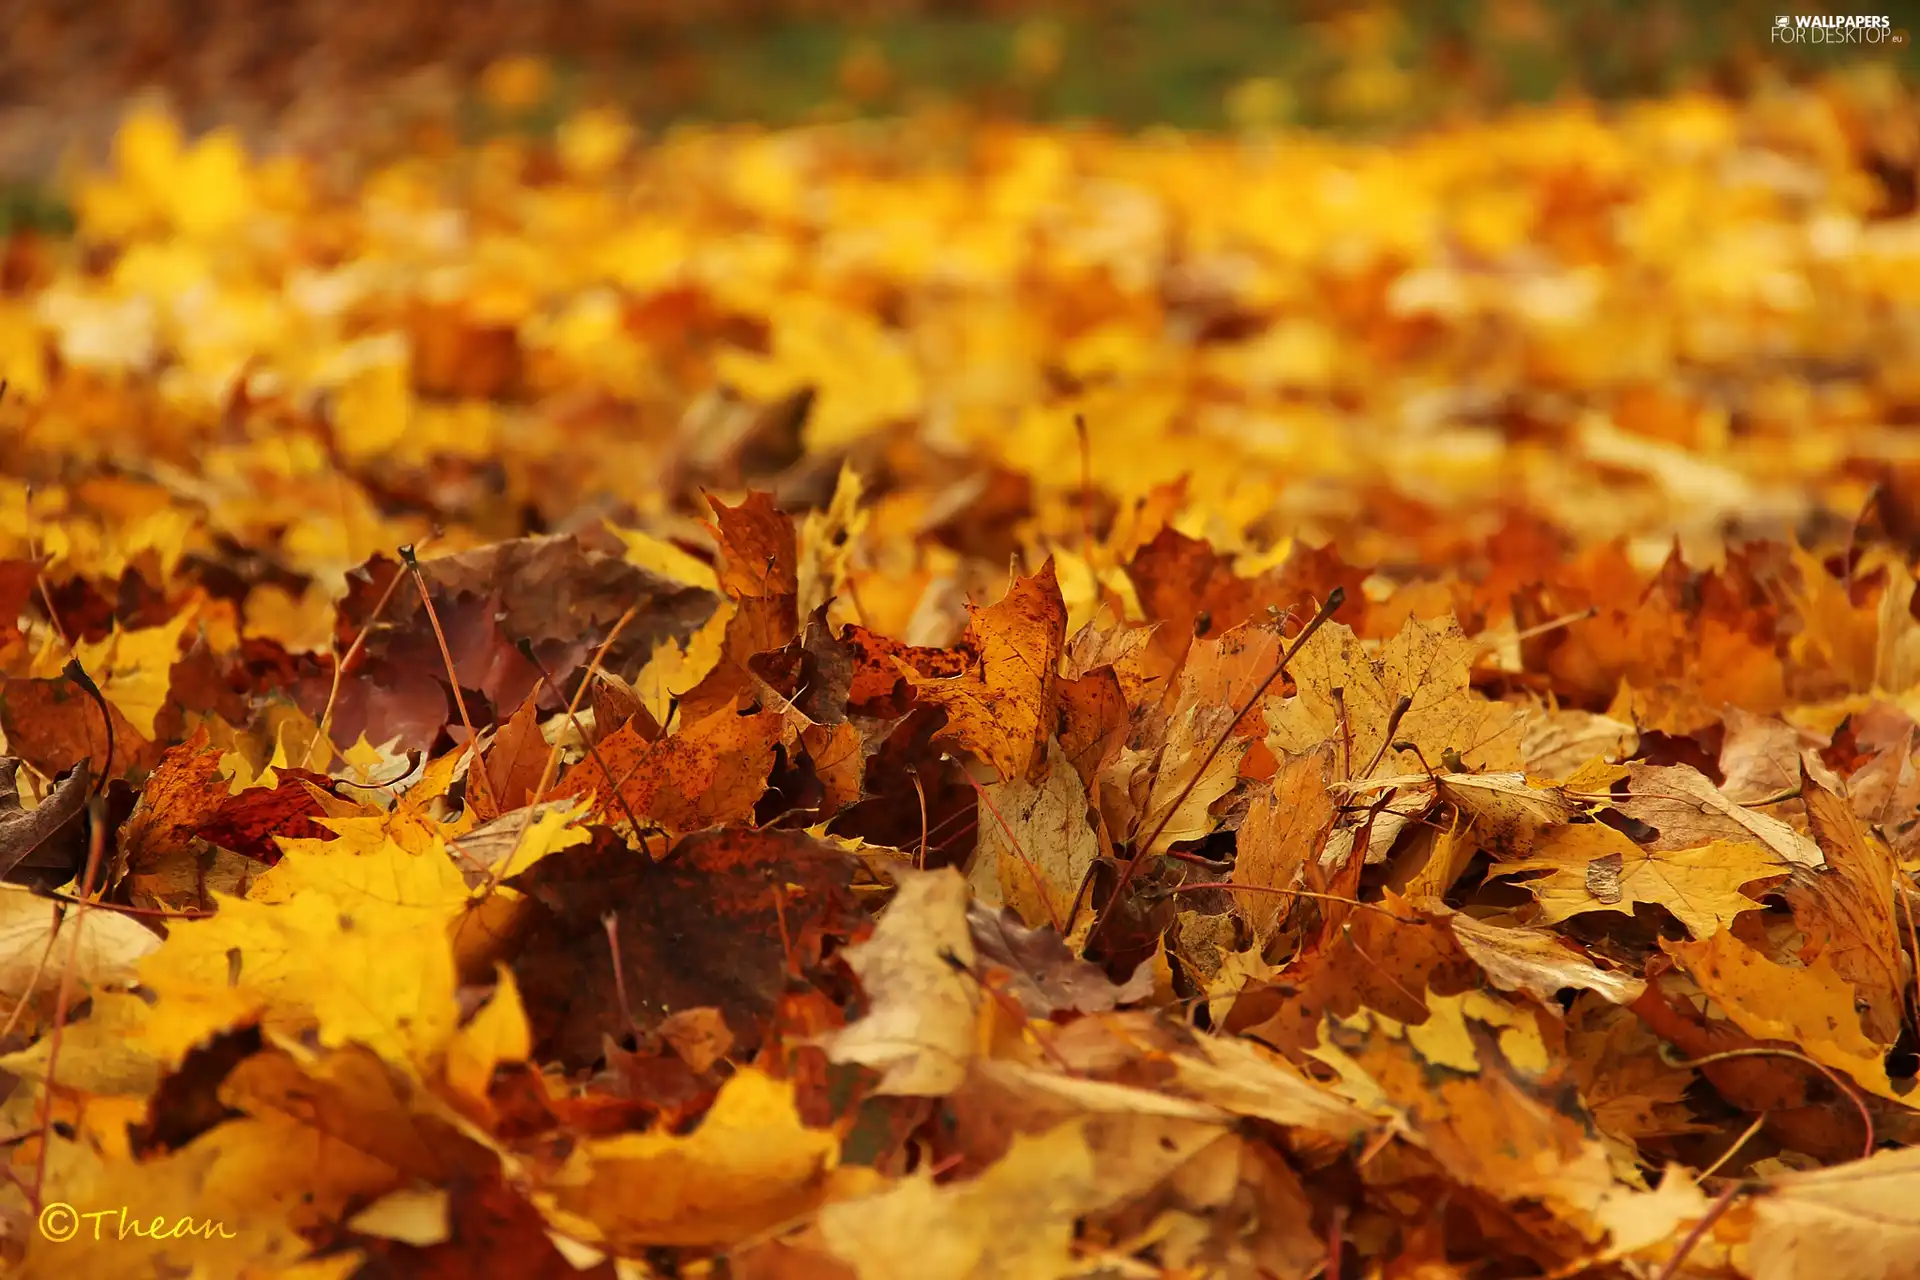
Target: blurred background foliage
(317, 74)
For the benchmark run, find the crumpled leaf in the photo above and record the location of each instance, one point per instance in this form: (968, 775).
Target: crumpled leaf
(1015, 1221)
(919, 1029)
(1044, 975)
(1036, 837)
(1001, 707)
(46, 844)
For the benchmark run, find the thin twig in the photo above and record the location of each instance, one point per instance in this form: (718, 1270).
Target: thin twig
(477, 766)
(920, 863)
(1733, 1150)
(593, 669)
(1039, 881)
(611, 923)
(96, 846)
(1722, 1203)
(340, 665)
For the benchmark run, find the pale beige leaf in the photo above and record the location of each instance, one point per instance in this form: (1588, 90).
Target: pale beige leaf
(1538, 963)
(1037, 840)
(1346, 694)
(1559, 742)
(1013, 1222)
(110, 943)
(1241, 1077)
(1856, 1221)
(1687, 811)
(919, 1027)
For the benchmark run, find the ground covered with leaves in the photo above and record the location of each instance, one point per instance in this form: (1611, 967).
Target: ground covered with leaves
(898, 700)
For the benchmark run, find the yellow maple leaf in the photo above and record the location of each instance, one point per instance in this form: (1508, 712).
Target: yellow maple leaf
(1812, 1007)
(134, 669)
(1595, 868)
(749, 1165)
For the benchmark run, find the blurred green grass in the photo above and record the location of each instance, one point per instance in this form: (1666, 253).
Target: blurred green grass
(1347, 66)
(1187, 64)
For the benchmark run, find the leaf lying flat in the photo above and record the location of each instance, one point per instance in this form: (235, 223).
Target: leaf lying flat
(1347, 695)
(721, 920)
(1858, 1221)
(1593, 867)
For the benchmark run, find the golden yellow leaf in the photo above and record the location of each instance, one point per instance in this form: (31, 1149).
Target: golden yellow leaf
(750, 1165)
(1595, 868)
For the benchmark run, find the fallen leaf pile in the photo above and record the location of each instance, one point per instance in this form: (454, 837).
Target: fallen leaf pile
(887, 702)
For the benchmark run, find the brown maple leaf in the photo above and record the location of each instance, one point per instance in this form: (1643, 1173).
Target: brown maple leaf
(725, 920)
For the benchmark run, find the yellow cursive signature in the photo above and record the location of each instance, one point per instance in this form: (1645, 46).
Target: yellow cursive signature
(61, 1222)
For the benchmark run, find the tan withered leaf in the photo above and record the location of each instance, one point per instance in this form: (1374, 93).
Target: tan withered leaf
(1812, 1009)
(1429, 662)
(1595, 868)
(1760, 757)
(1558, 742)
(1015, 1220)
(1506, 811)
(1169, 793)
(1284, 830)
(1686, 811)
(1859, 1221)
(1846, 909)
(1001, 708)
(1038, 839)
(1537, 962)
(919, 1029)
